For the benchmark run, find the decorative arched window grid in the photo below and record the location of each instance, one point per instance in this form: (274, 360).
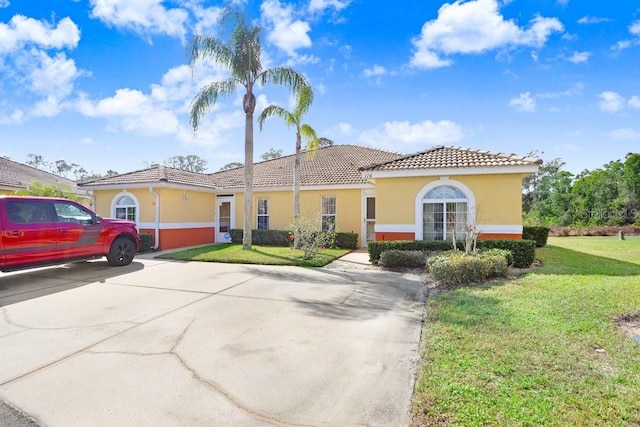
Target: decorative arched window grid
(444, 210)
(125, 206)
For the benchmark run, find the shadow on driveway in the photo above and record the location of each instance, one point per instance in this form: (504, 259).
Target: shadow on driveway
(24, 285)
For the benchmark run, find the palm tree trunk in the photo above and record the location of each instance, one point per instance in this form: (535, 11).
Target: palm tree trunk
(296, 193)
(248, 181)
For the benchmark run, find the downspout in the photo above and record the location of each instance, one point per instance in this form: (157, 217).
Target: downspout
(156, 225)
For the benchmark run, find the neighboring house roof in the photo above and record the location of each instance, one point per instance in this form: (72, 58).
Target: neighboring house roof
(333, 165)
(441, 157)
(17, 176)
(154, 175)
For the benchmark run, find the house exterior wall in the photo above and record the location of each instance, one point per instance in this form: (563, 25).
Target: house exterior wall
(349, 215)
(498, 204)
(186, 218)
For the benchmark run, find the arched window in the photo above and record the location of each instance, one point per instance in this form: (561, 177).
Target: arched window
(125, 207)
(444, 214)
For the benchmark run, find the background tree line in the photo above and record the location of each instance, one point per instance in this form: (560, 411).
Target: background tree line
(609, 195)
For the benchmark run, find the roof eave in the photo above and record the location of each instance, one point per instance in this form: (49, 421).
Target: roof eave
(485, 170)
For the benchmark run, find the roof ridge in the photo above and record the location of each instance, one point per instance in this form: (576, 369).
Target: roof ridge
(402, 157)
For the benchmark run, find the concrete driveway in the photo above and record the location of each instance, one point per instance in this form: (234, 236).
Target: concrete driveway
(163, 343)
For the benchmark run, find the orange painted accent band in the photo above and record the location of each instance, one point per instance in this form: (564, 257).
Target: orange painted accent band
(386, 235)
(171, 239)
(500, 236)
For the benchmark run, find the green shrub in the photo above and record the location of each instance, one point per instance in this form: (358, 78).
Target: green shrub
(537, 234)
(376, 248)
(501, 252)
(283, 238)
(145, 242)
(523, 251)
(263, 237)
(346, 240)
(498, 261)
(458, 268)
(395, 258)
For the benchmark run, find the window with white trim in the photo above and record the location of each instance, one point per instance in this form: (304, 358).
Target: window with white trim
(444, 214)
(328, 213)
(263, 213)
(125, 208)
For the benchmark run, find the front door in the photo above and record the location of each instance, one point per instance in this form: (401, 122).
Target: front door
(369, 205)
(225, 219)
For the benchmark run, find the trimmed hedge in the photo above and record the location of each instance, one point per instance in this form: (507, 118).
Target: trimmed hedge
(536, 233)
(523, 250)
(145, 242)
(458, 268)
(282, 238)
(403, 259)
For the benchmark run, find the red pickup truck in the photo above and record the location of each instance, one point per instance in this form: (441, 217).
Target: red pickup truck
(38, 231)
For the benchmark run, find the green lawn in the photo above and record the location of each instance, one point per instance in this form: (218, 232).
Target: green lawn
(268, 255)
(542, 349)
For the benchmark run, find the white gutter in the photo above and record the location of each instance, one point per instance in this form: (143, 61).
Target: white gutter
(156, 223)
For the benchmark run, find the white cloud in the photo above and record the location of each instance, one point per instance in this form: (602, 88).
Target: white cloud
(22, 30)
(321, 5)
(4, 3)
(474, 27)
(579, 57)
(375, 71)
(576, 89)
(53, 76)
(144, 17)
(206, 18)
(586, 20)
(427, 132)
(285, 32)
(634, 30)
(611, 102)
(164, 109)
(625, 134)
(634, 102)
(523, 102)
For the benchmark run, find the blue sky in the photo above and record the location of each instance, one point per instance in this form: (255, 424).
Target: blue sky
(105, 83)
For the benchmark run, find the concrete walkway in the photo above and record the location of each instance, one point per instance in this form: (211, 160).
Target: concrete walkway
(167, 343)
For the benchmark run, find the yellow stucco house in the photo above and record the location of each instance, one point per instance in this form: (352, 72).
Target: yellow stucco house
(378, 194)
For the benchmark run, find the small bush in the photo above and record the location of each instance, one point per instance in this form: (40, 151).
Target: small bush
(501, 252)
(145, 242)
(346, 240)
(377, 248)
(283, 238)
(523, 251)
(403, 259)
(263, 237)
(458, 268)
(537, 234)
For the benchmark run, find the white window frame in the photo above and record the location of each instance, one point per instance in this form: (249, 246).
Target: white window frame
(324, 215)
(419, 202)
(136, 205)
(262, 215)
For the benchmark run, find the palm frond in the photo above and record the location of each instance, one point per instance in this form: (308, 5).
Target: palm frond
(273, 111)
(207, 97)
(304, 99)
(311, 137)
(284, 76)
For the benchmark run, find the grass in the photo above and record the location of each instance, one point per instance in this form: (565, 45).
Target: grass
(542, 349)
(267, 255)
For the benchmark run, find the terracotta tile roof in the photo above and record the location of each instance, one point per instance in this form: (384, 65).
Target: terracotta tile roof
(441, 157)
(336, 164)
(17, 175)
(154, 175)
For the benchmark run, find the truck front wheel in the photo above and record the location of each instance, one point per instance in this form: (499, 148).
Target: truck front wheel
(122, 252)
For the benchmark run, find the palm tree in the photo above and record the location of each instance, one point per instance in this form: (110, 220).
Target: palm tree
(241, 55)
(294, 118)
